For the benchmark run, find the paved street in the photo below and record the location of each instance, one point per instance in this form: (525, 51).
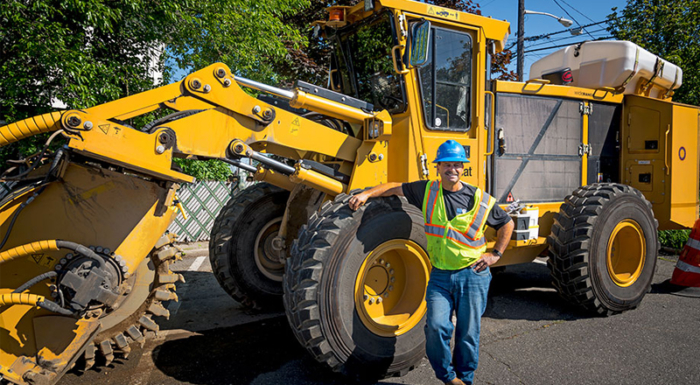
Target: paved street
(530, 336)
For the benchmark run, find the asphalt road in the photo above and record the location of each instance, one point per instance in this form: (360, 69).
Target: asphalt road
(529, 336)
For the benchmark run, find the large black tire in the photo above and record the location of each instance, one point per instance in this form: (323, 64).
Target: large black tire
(348, 270)
(603, 248)
(239, 249)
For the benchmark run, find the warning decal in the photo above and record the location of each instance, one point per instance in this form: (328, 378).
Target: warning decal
(510, 197)
(104, 128)
(43, 259)
(294, 128)
(443, 12)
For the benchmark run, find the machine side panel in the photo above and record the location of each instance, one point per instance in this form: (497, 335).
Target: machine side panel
(537, 148)
(685, 165)
(604, 141)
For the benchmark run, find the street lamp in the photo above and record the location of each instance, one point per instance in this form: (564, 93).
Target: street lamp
(521, 32)
(565, 22)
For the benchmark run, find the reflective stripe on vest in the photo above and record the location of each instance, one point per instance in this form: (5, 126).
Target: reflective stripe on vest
(458, 237)
(456, 243)
(432, 198)
(479, 218)
(454, 235)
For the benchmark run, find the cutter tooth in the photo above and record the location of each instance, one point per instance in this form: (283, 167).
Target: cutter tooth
(171, 278)
(148, 324)
(90, 356)
(166, 295)
(121, 341)
(136, 335)
(157, 309)
(166, 253)
(162, 241)
(107, 351)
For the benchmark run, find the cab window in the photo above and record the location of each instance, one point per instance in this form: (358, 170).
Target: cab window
(446, 81)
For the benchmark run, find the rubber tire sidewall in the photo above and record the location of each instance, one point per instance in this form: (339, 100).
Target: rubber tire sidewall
(245, 233)
(254, 289)
(626, 206)
(371, 355)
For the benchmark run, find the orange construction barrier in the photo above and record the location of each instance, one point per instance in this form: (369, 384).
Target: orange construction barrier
(687, 271)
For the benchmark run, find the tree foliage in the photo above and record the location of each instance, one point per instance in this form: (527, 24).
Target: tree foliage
(83, 53)
(310, 63)
(670, 29)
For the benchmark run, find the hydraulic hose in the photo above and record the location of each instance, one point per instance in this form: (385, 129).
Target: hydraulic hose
(14, 217)
(39, 124)
(34, 300)
(50, 245)
(35, 280)
(28, 249)
(54, 164)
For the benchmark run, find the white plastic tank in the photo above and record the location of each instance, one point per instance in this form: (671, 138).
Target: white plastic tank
(616, 64)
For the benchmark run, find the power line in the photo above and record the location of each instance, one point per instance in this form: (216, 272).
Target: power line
(544, 36)
(567, 12)
(566, 45)
(563, 38)
(570, 6)
(538, 37)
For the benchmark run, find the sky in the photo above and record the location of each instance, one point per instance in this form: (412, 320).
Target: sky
(580, 12)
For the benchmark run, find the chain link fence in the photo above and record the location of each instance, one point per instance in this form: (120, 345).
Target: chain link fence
(202, 202)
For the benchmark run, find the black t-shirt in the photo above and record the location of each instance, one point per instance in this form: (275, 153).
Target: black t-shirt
(457, 202)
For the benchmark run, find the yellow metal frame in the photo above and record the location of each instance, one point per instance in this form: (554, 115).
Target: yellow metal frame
(626, 251)
(543, 89)
(390, 287)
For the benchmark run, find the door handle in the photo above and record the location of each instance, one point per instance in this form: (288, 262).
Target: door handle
(666, 162)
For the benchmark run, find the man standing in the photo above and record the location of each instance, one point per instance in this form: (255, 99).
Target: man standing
(455, 216)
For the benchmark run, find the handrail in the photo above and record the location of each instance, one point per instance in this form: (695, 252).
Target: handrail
(492, 123)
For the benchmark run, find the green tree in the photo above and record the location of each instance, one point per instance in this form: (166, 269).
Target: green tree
(87, 52)
(668, 28)
(310, 62)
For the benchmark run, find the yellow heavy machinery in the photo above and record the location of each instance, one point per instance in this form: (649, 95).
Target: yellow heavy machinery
(84, 262)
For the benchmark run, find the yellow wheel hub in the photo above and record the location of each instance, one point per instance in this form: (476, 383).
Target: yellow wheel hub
(626, 251)
(390, 287)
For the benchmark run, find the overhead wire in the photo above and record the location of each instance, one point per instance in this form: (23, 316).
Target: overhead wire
(566, 45)
(546, 35)
(563, 38)
(572, 7)
(567, 12)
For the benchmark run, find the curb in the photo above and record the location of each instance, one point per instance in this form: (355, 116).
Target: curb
(196, 252)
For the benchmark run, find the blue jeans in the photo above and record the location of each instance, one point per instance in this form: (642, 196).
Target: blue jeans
(464, 292)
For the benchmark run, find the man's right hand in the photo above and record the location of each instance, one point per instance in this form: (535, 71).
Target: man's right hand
(383, 190)
(358, 200)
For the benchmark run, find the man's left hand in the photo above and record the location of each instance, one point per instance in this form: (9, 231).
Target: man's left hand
(485, 261)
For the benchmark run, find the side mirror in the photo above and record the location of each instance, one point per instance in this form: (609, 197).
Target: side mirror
(420, 38)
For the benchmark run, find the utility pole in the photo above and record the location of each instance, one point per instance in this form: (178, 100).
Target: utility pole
(521, 38)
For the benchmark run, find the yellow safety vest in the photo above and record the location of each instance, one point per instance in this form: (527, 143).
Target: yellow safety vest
(458, 243)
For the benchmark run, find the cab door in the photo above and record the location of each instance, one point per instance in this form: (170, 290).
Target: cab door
(446, 89)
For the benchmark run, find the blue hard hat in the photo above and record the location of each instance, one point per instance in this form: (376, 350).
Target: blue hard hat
(451, 151)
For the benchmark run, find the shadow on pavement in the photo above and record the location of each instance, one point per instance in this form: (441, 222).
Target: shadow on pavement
(525, 292)
(239, 355)
(260, 348)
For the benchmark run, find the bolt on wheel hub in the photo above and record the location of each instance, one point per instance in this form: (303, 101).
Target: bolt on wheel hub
(390, 287)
